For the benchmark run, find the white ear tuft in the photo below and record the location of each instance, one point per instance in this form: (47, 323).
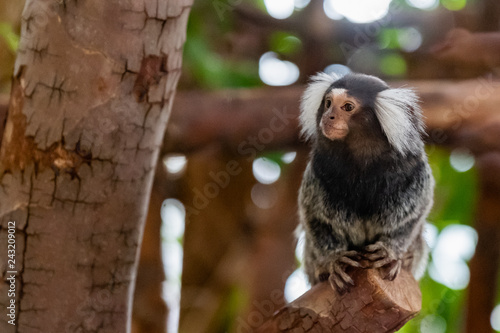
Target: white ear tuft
(311, 101)
(401, 119)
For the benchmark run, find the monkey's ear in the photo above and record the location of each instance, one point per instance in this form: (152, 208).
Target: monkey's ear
(311, 101)
(401, 119)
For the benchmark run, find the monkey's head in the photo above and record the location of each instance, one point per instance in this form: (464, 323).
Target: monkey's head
(356, 107)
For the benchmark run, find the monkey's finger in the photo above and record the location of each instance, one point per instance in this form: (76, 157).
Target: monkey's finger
(383, 262)
(393, 271)
(337, 269)
(351, 254)
(337, 284)
(375, 247)
(349, 261)
(375, 256)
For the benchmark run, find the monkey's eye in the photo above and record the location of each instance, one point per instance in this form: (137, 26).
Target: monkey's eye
(328, 103)
(348, 107)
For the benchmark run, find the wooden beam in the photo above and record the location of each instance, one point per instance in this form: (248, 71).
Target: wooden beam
(456, 113)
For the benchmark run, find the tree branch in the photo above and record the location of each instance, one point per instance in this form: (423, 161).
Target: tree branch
(456, 113)
(373, 305)
(460, 46)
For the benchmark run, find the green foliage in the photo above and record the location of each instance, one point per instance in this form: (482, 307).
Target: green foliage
(454, 4)
(204, 60)
(388, 38)
(455, 192)
(275, 156)
(454, 203)
(285, 43)
(393, 65)
(212, 71)
(235, 302)
(10, 37)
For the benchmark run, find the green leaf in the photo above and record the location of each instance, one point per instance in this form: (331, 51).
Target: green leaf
(454, 4)
(10, 37)
(285, 43)
(393, 65)
(388, 39)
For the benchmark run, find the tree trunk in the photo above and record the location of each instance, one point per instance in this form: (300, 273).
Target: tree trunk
(92, 90)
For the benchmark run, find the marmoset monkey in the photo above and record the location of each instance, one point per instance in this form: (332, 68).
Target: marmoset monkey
(368, 187)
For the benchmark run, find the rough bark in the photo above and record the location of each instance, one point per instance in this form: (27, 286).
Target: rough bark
(374, 305)
(93, 86)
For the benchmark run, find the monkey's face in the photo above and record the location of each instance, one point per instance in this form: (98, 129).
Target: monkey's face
(339, 108)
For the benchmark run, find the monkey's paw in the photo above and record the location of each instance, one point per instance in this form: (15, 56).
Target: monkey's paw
(334, 269)
(383, 257)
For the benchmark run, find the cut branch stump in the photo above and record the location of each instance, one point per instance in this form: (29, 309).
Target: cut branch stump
(373, 305)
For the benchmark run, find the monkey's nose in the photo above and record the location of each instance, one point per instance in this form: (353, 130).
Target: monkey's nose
(332, 117)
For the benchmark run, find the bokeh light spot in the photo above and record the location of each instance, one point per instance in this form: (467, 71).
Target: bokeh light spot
(296, 285)
(455, 245)
(358, 11)
(175, 163)
(173, 215)
(338, 69)
(264, 196)
(495, 318)
(299, 4)
(423, 4)
(265, 170)
(280, 9)
(276, 72)
(461, 159)
(409, 39)
(433, 324)
(289, 157)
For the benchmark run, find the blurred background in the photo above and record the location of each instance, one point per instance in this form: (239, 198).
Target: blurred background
(229, 206)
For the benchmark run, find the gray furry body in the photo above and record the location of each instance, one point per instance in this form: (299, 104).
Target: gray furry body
(365, 197)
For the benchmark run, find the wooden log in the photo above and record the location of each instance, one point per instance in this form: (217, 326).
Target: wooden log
(460, 47)
(373, 305)
(456, 113)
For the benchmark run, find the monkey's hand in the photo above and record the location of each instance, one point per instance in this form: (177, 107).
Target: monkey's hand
(382, 256)
(333, 267)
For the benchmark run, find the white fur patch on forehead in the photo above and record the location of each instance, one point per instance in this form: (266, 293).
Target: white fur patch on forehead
(311, 101)
(338, 91)
(400, 118)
